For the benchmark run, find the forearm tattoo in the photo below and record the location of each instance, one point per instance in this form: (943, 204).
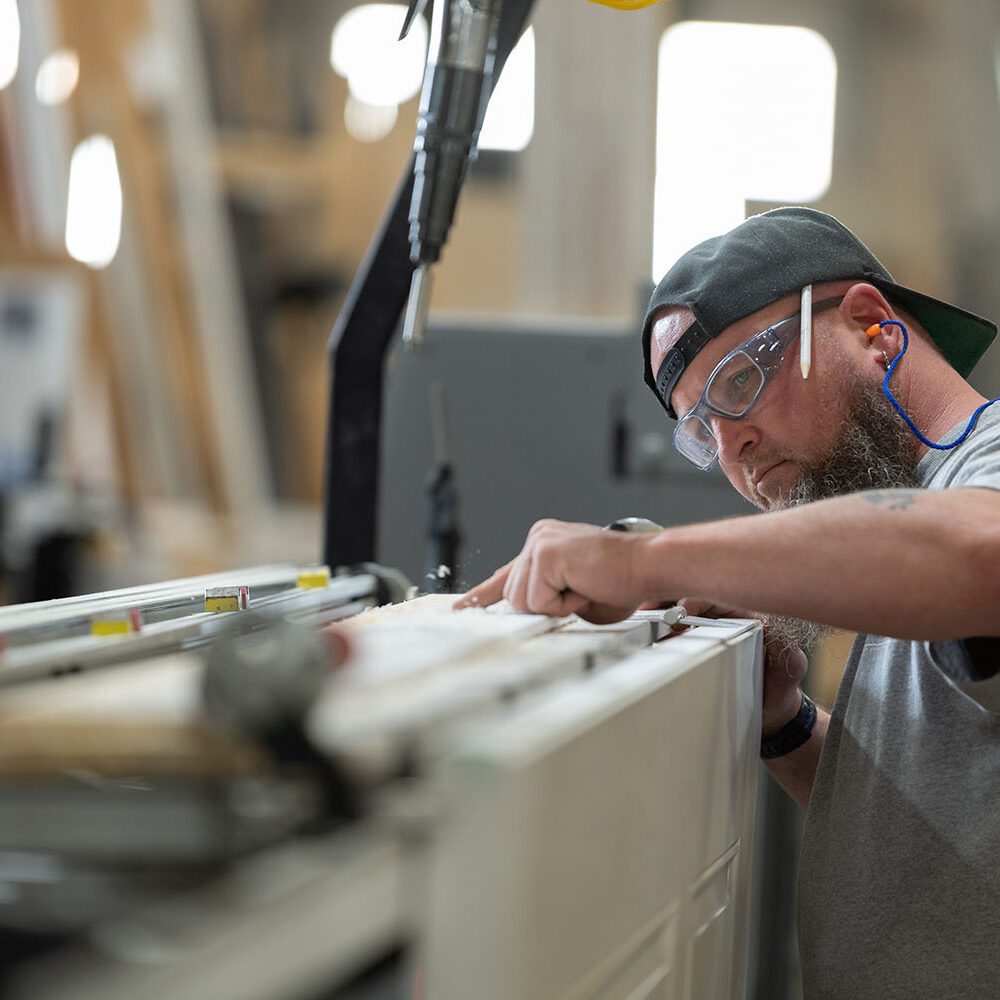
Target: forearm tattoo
(892, 499)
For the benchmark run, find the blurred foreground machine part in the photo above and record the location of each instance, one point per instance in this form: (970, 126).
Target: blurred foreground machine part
(474, 804)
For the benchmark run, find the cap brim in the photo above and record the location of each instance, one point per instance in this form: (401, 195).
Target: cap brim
(962, 337)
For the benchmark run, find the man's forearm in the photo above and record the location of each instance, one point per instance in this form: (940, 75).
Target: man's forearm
(796, 771)
(912, 564)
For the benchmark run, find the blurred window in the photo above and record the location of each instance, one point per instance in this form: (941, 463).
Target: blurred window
(10, 41)
(510, 116)
(57, 77)
(744, 112)
(382, 70)
(94, 210)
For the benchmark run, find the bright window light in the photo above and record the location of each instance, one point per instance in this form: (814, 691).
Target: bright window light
(510, 116)
(744, 112)
(57, 77)
(379, 68)
(10, 41)
(94, 212)
(368, 122)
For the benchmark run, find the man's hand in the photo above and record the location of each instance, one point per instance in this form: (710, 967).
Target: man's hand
(569, 568)
(600, 575)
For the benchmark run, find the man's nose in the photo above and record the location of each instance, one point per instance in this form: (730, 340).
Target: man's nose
(734, 437)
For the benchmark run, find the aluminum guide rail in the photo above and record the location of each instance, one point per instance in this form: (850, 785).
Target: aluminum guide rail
(55, 638)
(47, 620)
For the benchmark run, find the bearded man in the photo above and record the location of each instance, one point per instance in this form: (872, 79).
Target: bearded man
(878, 475)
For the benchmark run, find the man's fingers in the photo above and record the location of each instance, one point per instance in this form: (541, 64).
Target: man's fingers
(701, 607)
(517, 582)
(482, 596)
(544, 589)
(791, 661)
(562, 604)
(605, 614)
(486, 593)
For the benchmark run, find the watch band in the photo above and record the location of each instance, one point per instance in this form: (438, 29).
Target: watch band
(793, 734)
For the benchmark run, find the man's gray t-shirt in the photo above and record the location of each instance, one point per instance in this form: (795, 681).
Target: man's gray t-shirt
(899, 874)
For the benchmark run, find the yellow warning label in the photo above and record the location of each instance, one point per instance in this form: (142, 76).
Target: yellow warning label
(312, 579)
(227, 598)
(222, 604)
(110, 626)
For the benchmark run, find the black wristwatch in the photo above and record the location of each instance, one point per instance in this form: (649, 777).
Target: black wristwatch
(793, 734)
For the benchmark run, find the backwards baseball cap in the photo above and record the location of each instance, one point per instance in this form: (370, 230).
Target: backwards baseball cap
(769, 256)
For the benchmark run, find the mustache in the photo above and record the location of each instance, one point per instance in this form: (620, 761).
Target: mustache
(750, 466)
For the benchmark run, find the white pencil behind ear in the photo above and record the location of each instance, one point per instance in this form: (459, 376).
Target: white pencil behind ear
(806, 328)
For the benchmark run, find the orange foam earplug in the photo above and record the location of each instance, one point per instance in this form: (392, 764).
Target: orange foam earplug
(873, 331)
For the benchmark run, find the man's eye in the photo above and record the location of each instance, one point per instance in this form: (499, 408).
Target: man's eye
(740, 379)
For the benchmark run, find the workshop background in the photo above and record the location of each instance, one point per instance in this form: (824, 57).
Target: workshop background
(187, 188)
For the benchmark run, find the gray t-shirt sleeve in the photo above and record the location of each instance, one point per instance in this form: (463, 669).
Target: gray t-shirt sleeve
(975, 462)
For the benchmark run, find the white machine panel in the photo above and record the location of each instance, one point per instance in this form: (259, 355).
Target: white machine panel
(599, 839)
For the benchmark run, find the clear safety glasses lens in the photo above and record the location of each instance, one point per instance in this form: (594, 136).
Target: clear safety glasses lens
(694, 439)
(735, 386)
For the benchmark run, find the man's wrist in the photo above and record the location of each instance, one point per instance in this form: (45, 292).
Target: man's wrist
(777, 720)
(793, 734)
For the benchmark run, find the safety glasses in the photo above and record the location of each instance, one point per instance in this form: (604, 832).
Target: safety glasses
(736, 384)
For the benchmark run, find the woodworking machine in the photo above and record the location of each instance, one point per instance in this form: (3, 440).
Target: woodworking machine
(279, 783)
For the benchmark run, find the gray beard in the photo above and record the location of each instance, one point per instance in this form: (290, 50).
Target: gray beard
(875, 451)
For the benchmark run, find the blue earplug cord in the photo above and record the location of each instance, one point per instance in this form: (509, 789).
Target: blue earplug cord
(902, 412)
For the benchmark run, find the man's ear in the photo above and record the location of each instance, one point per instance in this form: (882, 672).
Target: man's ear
(865, 305)
(865, 308)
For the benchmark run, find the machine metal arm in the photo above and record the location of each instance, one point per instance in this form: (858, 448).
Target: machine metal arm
(357, 348)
